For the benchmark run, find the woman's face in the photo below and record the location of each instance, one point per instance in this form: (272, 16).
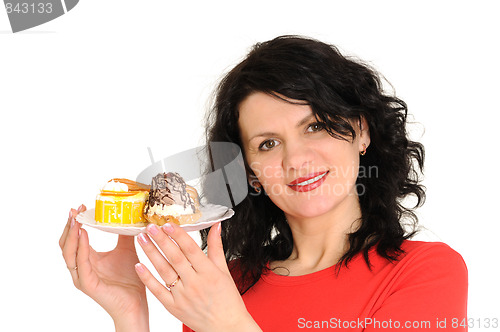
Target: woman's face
(304, 171)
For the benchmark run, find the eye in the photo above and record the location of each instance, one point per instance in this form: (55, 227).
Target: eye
(314, 127)
(268, 144)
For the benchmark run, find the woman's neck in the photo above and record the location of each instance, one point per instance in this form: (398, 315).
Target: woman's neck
(321, 241)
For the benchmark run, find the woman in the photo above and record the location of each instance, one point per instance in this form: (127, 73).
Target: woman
(321, 242)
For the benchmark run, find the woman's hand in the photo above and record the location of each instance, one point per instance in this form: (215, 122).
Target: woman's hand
(202, 293)
(107, 277)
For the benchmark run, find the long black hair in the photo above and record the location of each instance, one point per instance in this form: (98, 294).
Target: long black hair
(338, 89)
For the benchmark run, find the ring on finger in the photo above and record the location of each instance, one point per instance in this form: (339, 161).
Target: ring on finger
(171, 285)
(72, 268)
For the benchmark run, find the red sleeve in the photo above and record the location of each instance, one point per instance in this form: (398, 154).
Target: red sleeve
(430, 294)
(186, 329)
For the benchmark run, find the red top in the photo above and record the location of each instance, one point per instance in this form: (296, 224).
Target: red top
(425, 290)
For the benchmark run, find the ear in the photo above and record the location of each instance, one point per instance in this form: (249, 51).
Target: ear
(252, 178)
(364, 132)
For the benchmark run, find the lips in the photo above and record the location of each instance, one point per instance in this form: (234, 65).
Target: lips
(309, 182)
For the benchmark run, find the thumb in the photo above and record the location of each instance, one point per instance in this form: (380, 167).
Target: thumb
(215, 250)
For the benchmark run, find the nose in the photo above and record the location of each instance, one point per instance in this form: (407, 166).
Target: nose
(296, 156)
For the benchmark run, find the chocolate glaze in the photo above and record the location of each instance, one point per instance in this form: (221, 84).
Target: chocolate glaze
(168, 189)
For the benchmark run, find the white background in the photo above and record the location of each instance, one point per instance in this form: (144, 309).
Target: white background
(83, 96)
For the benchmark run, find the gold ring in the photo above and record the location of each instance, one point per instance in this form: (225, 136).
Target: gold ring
(169, 286)
(72, 268)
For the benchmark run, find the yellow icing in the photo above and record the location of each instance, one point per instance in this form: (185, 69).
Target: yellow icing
(120, 210)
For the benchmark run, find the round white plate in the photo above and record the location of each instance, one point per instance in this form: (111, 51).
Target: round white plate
(210, 214)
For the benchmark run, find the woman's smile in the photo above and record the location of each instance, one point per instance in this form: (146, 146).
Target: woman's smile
(308, 183)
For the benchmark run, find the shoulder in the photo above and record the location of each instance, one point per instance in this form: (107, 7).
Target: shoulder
(428, 279)
(433, 260)
(431, 252)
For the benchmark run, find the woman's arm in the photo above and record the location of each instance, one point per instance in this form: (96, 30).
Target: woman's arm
(133, 323)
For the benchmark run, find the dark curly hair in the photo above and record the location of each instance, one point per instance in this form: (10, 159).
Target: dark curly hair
(338, 89)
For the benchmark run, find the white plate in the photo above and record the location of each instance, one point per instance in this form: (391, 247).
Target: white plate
(210, 214)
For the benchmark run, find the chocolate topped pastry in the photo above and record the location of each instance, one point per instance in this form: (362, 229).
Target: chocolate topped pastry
(171, 200)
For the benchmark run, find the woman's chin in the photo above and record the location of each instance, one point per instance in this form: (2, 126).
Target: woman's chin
(309, 209)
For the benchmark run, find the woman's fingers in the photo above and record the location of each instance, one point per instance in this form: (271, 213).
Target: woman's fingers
(71, 220)
(187, 248)
(82, 208)
(70, 244)
(172, 252)
(86, 275)
(215, 250)
(193, 252)
(161, 265)
(158, 290)
(64, 234)
(70, 249)
(183, 254)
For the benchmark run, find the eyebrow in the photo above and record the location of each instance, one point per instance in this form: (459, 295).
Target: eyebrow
(270, 133)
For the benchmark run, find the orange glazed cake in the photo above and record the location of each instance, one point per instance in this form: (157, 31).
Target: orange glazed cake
(121, 203)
